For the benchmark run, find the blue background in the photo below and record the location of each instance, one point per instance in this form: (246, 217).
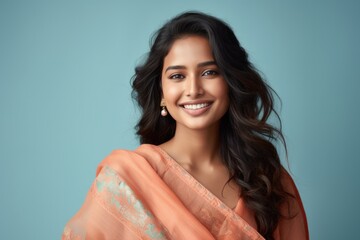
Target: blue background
(65, 69)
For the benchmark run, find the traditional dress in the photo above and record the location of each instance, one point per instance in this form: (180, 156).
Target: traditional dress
(145, 194)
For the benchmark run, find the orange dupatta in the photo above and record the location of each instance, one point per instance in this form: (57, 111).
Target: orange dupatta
(144, 194)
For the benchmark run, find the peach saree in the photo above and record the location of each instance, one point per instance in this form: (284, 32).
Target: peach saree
(145, 194)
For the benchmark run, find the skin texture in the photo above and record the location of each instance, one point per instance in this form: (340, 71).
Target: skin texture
(191, 76)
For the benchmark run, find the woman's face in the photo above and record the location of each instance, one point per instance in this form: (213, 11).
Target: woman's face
(195, 93)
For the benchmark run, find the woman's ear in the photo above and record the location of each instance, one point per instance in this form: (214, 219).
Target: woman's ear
(163, 102)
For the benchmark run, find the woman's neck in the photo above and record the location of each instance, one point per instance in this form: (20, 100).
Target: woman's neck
(195, 147)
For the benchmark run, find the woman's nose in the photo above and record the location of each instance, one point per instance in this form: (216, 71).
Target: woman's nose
(194, 87)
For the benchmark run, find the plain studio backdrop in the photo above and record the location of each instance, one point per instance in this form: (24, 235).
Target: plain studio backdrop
(65, 69)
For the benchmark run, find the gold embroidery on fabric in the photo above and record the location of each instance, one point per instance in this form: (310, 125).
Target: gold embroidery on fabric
(123, 202)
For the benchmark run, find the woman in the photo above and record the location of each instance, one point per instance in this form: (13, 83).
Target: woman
(207, 167)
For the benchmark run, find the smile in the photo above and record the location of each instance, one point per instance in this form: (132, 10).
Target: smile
(196, 106)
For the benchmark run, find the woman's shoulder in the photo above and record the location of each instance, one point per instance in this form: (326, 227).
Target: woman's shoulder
(290, 187)
(288, 182)
(292, 204)
(293, 222)
(124, 159)
(118, 154)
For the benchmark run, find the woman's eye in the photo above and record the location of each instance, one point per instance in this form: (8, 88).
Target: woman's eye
(177, 76)
(210, 73)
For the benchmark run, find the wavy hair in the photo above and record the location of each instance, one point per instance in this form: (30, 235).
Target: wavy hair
(247, 139)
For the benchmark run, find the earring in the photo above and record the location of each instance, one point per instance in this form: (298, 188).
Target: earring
(164, 113)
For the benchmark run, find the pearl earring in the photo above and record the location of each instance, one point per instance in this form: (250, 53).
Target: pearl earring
(164, 113)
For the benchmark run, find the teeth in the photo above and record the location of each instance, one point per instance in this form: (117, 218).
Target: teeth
(196, 106)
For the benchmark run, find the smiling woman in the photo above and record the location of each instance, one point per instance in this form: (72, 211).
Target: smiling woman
(207, 167)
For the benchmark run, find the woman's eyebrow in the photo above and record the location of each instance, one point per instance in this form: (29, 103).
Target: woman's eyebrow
(175, 67)
(203, 64)
(207, 63)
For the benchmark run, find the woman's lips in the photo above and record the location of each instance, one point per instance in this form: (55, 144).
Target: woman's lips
(195, 106)
(196, 109)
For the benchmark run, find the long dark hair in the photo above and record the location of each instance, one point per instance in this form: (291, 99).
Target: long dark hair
(247, 139)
